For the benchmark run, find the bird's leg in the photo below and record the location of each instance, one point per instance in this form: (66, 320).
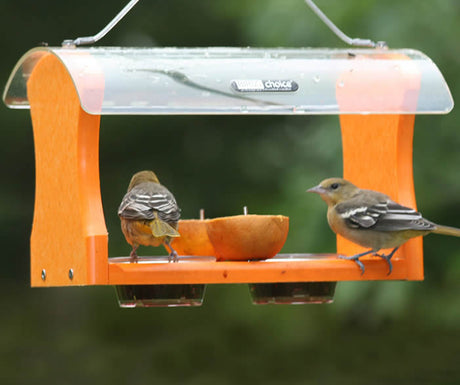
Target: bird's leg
(356, 258)
(133, 254)
(172, 257)
(388, 259)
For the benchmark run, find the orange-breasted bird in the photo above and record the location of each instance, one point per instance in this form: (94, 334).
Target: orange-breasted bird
(371, 219)
(149, 214)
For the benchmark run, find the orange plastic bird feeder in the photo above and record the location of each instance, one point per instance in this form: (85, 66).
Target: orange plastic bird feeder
(376, 93)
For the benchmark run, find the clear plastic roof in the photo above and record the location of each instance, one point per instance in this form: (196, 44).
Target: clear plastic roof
(243, 81)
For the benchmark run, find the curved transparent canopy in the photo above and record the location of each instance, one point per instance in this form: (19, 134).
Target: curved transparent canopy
(243, 81)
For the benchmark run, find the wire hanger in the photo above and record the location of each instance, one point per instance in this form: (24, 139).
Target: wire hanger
(104, 31)
(357, 42)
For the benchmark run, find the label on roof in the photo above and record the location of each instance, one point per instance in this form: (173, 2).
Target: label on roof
(258, 85)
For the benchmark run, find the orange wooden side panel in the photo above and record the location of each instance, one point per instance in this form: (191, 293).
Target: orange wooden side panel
(377, 149)
(68, 230)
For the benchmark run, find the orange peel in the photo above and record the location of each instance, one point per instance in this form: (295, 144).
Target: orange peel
(193, 238)
(247, 237)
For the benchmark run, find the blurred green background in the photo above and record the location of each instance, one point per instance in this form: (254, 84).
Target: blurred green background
(375, 332)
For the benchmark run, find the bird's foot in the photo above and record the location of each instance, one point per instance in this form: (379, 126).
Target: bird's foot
(133, 256)
(173, 256)
(354, 258)
(388, 259)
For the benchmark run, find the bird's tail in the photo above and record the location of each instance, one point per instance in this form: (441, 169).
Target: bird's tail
(162, 229)
(446, 230)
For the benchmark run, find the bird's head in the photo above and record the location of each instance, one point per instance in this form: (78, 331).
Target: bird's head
(334, 190)
(141, 177)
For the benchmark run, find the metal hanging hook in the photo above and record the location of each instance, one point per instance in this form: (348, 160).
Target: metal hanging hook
(340, 34)
(103, 32)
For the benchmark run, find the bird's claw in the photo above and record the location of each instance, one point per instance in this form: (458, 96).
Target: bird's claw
(133, 257)
(374, 252)
(361, 265)
(173, 257)
(388, 259)
(354, 258)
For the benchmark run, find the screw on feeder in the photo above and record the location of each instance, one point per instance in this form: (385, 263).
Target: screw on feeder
(43, 274)
(70, 274)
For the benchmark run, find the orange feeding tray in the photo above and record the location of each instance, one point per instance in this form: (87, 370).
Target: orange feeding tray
(376, 93)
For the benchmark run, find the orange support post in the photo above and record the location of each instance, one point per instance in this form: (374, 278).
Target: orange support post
(377, 154)
(69, 242)
(377, 149)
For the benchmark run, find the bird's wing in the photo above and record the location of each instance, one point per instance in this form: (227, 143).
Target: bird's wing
(141, 203)
(381, 215)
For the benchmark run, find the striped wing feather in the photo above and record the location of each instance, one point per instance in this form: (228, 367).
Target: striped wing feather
(381, 214)
(146, 199)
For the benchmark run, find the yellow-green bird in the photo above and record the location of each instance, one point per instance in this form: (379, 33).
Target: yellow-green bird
(149, 214)
(371, 219)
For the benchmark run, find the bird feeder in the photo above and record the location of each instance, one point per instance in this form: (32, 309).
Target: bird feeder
(376, 93)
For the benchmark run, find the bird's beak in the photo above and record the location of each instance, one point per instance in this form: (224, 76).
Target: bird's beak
(317, 190)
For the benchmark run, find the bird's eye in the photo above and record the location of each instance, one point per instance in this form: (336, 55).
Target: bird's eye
(334, 186)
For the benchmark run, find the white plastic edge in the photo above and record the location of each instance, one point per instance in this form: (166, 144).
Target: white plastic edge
(127, 81)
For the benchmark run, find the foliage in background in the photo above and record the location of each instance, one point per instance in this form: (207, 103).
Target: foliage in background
(375, 332)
